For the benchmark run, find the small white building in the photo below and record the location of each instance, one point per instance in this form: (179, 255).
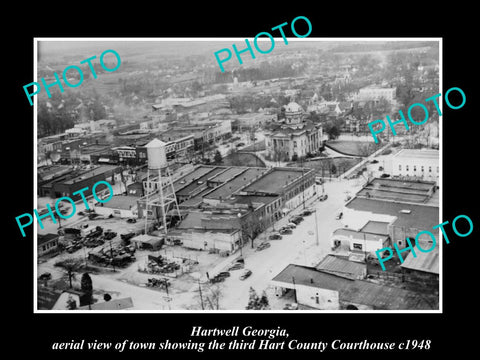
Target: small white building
(359, 241)
(217, 240)
(416, 164)
(122, 206)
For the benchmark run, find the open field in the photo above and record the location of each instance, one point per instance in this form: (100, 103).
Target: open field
(354, 148)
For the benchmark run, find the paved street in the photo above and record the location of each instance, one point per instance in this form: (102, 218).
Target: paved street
(300, 247)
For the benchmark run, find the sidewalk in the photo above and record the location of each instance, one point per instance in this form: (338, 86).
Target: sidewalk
(364, 161)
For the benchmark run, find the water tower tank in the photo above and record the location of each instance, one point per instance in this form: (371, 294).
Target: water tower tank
(156, 153)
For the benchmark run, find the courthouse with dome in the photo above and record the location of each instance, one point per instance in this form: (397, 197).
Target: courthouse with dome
(293, 136)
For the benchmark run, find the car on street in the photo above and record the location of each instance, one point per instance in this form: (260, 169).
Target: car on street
(306, 212)
(285, 231)
(275, 236)
(262, 246)
(224, 274)
(323, 197)
(374, 161)
(131, 220)
(318, 180)
(385, 175)
(246, 273)
(296, 219)
(240, 144)
(339, 216)
(291, 225)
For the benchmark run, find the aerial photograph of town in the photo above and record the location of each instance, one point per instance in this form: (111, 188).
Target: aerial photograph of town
(166, 184)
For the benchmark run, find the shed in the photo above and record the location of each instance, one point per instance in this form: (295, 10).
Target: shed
(148, 242)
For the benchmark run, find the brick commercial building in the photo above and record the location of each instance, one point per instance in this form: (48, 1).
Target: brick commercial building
(73, 182)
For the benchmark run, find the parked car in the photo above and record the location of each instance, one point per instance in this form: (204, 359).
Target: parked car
(131, 220)
(240, 144)
(339, 216)
(385, 175)
(306, 212)
(291, 225)
(285, 231)
(45, 276)
(224, 274)
(275, 236)
(323, 197)
(246, 273)
(373, 161)
(109, 235)
(296, 219)
(262, 246)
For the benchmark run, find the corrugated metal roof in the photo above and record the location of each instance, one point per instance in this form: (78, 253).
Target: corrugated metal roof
(342, 267)
(426, 262)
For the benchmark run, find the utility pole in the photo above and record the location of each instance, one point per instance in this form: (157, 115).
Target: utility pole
(294, 290)
(111, 255)
(365, 250)
(200, 291)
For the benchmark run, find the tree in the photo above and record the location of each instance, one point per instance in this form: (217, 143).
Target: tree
(333, 169)
(212, 296)
(70, 266)
(257, 303)
(252, 227)
(107, 297)
(87, 288)
(263, 302)
(71, 303)
(333, 131)
(217, 158)
(253, 300)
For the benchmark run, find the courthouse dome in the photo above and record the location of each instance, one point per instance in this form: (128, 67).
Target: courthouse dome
(293, 108)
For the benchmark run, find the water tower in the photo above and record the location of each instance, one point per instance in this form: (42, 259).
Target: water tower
(160, 198)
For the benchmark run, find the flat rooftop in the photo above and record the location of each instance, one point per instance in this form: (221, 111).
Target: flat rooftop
(420, 217)
(246, 199)
(398, 190)
(276, 180)
(122, 202)
(193, 175)
(359, 235)
(198, 183)
(90, 173)
(418, 154)
(354, 291)
(376, 227)
(228, 174)
(224, 191)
